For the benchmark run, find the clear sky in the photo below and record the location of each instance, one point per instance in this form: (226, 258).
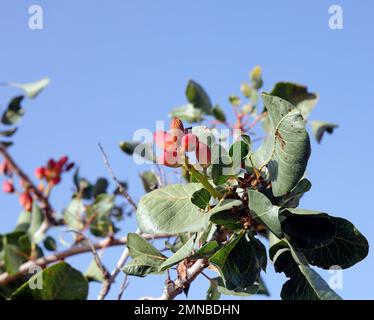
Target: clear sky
(117, 66)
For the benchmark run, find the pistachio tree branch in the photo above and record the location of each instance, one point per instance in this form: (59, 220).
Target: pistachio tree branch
(174, 288)
(121, 262)
(6, 278)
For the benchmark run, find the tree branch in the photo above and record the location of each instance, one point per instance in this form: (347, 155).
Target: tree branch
(5, 278)
(174, 288)
(121, 262)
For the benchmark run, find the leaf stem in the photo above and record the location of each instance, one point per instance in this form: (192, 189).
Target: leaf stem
(203, 180)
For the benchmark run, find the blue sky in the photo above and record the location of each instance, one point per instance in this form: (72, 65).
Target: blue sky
(117, 66)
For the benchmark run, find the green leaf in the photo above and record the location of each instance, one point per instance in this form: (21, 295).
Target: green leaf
(143, 150)
(207, 250)
(99, 213)
(304, 282)
(262, 289)
(170, 210)
(205, 135)
(219, 114)
(213, 293)
(201, 198)
(73, 214)
(198, 97)
(180, 255)
(93, 273)
(228, 220)
(296, 94)
(83, 186)
(32, 89)
(8, 133)
(308, 229)
(246, 90)
(14, 112)
(149, 180)
(224, 205)
(347, 248)
(188, 113)
(37, 217)
(234, 100)
(223, 166)
(239, 261)
(60, 282)
(263, 210)
(24, 220)
(240, 292)
(256, 77)
(239, 150)
(138, 246)
(16, 250)
(100, 187)
(320, 127)
(146, 258)
(50, 243)
(287, 149)
(6, 144)
(292, 199)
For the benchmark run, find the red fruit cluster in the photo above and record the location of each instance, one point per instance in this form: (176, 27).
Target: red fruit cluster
(25, 198)
(53, 170)
(177, 142)
(51, 173)
(6, 170)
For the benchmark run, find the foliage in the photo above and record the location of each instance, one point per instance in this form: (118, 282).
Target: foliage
(234, 209)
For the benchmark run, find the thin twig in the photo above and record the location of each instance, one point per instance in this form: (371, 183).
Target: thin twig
(124, 285)
(104, 271)
(256, 120)
(121, 262)
(121, 188)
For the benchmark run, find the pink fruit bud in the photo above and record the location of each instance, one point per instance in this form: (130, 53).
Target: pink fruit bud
(176, 123)
(176, 130)
(8, 186)
(189, 142)
(62, 161)
(5, 168)
(51, 163)
(170, 159)
(203, 155)
(160, 138)
(54, 181)
(40, 173)
(25, 200)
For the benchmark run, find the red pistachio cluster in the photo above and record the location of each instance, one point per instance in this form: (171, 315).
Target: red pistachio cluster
(51, 173)
(177, 142)
(7, 171)
(25, 198)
